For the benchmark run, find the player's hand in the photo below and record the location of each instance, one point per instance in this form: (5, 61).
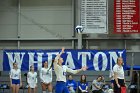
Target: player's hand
(36, 85)
(126, 85)
(84, 68)
(20, 84)
(63, 49)
(84, 91)
(70, 88)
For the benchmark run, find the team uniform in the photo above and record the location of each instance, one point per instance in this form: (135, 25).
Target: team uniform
(72, 85)
(120, 76)
(15, 76)
(83, 86)
(60, 72)
(46, 75)
(32, 79)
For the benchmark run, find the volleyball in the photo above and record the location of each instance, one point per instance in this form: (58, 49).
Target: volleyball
(79, 29)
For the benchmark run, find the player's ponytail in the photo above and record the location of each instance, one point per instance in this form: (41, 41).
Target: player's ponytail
(30, 67)
(51, 65)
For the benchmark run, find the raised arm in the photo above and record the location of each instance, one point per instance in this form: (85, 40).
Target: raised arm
(59, 55)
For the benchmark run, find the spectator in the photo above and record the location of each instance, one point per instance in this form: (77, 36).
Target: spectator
(71, 84)
(83, 85)
(97, 85)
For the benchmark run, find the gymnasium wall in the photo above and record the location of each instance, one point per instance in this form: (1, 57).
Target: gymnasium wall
(49, 24)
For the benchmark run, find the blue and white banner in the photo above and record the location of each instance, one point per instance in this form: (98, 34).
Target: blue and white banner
(98, 60)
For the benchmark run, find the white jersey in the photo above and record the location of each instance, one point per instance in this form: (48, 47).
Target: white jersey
(60, 71)
(46, 75)
(32, 79)
(15, 74)
(119, 70)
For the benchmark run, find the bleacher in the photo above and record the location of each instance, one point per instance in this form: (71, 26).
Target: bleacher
(4, 79)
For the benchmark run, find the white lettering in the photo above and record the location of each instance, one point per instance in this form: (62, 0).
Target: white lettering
(50, 57)
(96, 61)
(15, 57)
(69, 61)
(32, 61)
(84, 57)
(114, 56)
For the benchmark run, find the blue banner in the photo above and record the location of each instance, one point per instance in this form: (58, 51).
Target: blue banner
(98, 60)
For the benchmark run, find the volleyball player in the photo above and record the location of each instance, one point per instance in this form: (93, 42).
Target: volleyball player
(60, 71)
(46, 78)
(32, 80)
(15, 78)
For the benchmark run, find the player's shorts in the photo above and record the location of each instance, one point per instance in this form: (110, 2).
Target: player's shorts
(16, 81)
(112, 81)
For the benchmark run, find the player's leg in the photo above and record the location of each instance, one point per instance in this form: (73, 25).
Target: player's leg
(17, 88)
(13, 87)
(50, 88)
(29, 89)
(44, 86)
(35, 90)
(17, 85)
